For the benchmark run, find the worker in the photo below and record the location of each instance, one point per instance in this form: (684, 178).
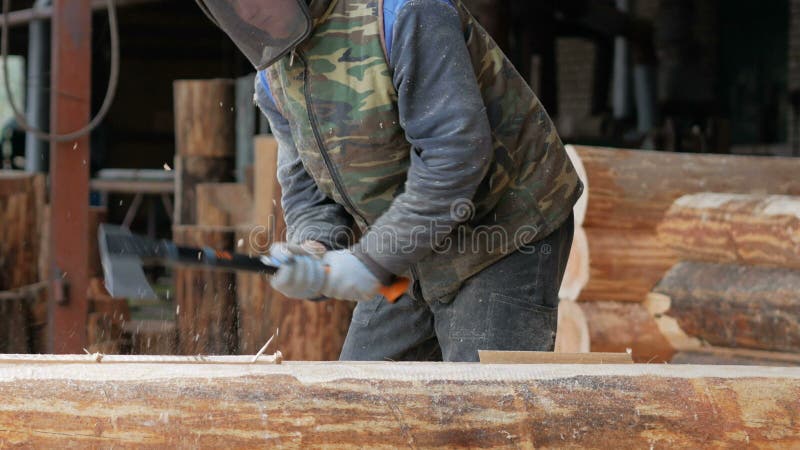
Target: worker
(403, 120)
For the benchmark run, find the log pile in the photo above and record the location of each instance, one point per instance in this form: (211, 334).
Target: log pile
(22, 293)
(396, 405)
(736, 295)
(628, 250)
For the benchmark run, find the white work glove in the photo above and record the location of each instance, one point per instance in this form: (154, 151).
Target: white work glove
(305, 273)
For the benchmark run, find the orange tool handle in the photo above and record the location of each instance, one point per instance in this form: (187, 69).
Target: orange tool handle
(395, 291)
(392, 292)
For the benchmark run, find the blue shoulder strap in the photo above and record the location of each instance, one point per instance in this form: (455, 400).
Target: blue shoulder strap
(263, 77)
(390, 10)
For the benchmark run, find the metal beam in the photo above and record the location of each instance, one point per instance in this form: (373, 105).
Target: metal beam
(25, 16)
(69, 171)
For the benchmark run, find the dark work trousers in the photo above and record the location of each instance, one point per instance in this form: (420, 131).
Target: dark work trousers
(510, 305)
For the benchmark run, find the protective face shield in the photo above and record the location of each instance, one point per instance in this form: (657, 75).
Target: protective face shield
(264, 30)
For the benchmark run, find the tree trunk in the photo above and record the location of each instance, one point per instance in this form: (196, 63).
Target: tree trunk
(621, 326)
(634, 188)
(397, 405)
(740, 229)
(205, 117)
(205, 298)
(624, 264)
(728, 306)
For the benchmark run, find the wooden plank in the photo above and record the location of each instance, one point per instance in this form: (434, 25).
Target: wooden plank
(498, 357)
(731, 228)
(266, 190)
(624, 265)
(393, 405)
(623, 326)
(634, 188)
(725, 305)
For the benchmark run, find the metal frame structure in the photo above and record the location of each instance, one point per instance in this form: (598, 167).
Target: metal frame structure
(69, 171)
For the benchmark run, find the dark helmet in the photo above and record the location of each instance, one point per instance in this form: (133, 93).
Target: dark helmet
(264, 30)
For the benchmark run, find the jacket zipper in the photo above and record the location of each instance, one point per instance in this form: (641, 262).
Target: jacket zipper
(315, 128)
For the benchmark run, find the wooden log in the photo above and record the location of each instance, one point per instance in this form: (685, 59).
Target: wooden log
(728, 306)
(21, 210)
(625, 265)
(205, 298)
(15, 333)
(736, 357)
(266, 190)
(304, 331)
(735, 228)
(583, 202)
(191, 171)
(576, 276)
(151, 337)
(223, 204)
(573, 331)
(391, 405)
(205, 117)
(106, 320)
(634, 188)
(624, 326)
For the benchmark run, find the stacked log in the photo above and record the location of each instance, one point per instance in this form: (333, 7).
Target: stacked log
(22, 199)
(736, 296)
(205, 123)
(206, 299)
(628, 193)
(303, 330)
(150, 404)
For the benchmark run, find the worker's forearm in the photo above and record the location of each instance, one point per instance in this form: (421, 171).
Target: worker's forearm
(442, 112)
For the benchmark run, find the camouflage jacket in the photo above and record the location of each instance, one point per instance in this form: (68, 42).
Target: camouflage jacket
(439, 192)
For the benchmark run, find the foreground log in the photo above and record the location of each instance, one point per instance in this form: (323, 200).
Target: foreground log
(397, 405)
(621, 326)
(736, 357)
(729, 228)
(728, 306)
(624, 264)
(205, 298)
(634, 188)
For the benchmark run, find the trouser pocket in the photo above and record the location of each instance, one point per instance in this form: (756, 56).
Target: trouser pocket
(521, 324)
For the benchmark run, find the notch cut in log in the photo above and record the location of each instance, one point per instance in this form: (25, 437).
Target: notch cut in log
(634, 188)
(191, 171)
(399, 405)
(619, 326)
(725, 305)
(736, 357)
(738, 229)
(624, 265)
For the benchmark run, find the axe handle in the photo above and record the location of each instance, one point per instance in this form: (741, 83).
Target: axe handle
(208, 257)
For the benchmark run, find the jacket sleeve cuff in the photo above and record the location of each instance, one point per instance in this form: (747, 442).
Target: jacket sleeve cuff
(384, 276)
